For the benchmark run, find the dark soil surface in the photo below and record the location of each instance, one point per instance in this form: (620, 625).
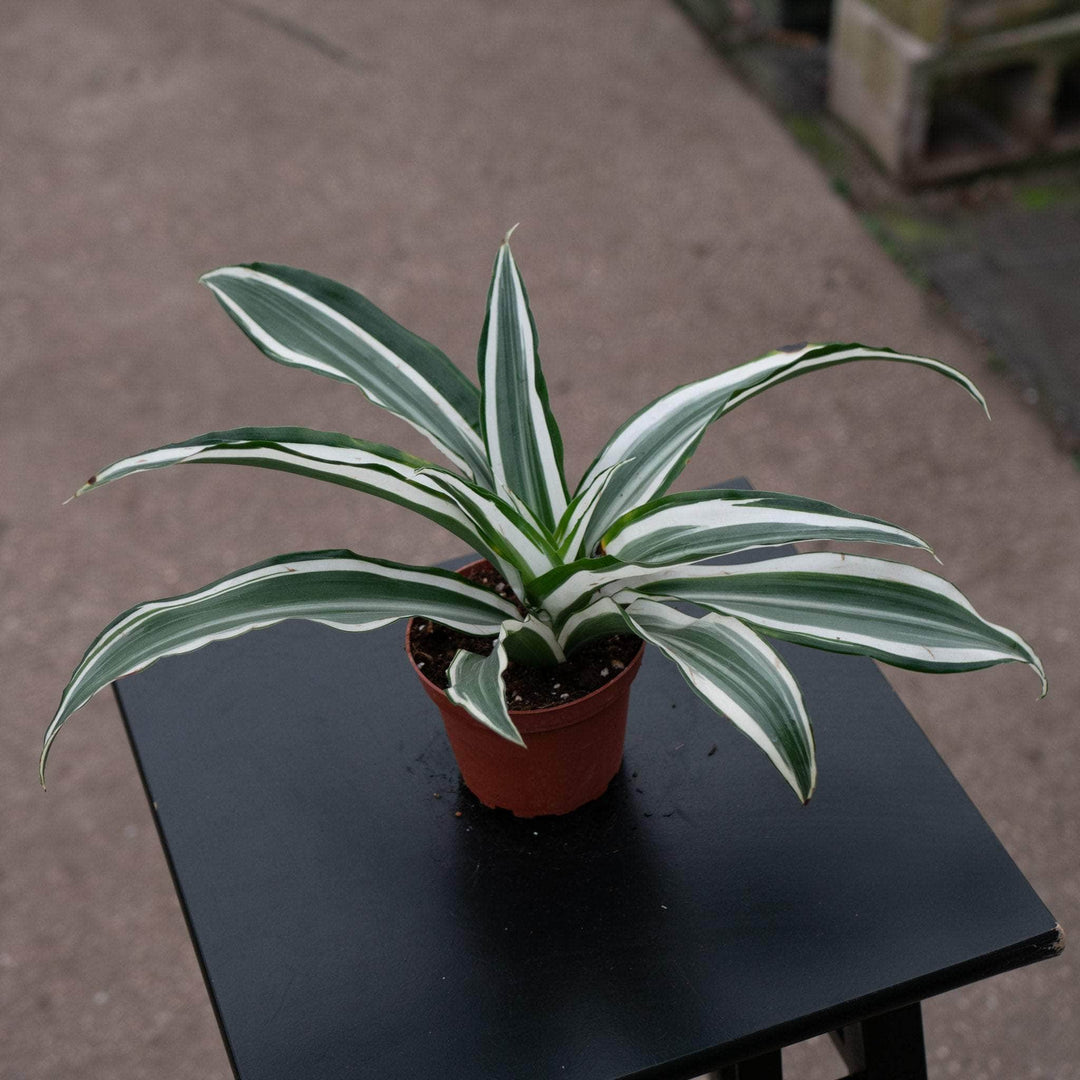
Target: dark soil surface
(434, 647)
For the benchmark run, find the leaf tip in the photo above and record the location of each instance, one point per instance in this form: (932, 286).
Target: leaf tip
(209, 280)
(510, 232)
(91, 483)
(1038, 669)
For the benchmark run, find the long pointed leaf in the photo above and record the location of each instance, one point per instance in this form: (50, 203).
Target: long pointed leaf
(663, 436)
(847, 603)
(476, 684)
(729, 666)
(363, 466)
(523, 442)
(695, 525)
(337, 588)
(778, 367)
(311, 322)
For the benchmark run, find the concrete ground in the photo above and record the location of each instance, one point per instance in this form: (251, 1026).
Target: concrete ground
(671, 228)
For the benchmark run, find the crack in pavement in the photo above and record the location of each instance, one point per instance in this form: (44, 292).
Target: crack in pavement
(297, 32)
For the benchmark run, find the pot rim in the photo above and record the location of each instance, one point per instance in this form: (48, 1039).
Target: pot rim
(533, 720)
(550, 716)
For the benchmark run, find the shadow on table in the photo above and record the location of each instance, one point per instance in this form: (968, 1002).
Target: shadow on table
(566, 917)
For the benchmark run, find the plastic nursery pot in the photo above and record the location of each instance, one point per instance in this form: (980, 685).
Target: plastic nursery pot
(572, 750)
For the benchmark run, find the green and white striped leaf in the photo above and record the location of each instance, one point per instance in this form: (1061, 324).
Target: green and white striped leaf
(695, 525)
(570, 587)
(523, 442)
(518, 550)
(601, 618)
(353, 463)
(311, 322)
(784, 364)
(337, 588)
(656, 442)
(847, 603)
(530, 519)
(476, 684)
(733, 670)
(531, 641)
(663, 436)
(488, 524)
(571, 531)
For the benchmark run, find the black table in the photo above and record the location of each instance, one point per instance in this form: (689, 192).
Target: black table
(358, 914)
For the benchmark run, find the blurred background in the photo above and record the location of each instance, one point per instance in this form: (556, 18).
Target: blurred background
(679, 214)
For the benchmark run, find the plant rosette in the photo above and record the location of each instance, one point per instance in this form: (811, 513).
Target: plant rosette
(620, 554)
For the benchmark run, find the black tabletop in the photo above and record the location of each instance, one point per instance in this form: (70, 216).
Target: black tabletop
(358, 914)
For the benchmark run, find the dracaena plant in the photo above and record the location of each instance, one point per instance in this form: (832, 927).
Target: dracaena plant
(613, 556)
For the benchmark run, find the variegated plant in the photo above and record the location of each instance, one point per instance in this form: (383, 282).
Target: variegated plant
(612, 557)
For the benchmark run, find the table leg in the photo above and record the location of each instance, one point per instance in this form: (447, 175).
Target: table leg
(886, 1047)
(765, 1067)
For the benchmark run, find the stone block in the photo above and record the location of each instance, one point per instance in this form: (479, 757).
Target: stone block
(928, 20)
(935, 109)
(873, 78)
(958, 20)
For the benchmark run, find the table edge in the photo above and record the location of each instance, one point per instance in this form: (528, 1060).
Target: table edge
(1043, 946)
(177, 886)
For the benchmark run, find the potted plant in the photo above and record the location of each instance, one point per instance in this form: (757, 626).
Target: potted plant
(567, 575)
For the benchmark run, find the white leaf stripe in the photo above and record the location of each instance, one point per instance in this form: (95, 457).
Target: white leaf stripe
(846, 603)
(736, 673)
(337, 588)
(302, 320)
(476, 684)
(523, 442)
(663, 435)
(698, 525)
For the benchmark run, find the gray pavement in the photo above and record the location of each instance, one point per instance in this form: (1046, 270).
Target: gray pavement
(671, 228)
(1013, 271)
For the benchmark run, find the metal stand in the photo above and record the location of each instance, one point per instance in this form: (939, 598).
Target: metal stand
(765, 1067)
(885, 1047)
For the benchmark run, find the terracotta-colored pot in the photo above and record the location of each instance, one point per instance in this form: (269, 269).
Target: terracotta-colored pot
(572, 750)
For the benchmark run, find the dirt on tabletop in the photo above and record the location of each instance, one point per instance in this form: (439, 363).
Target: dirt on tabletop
(435, 645)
